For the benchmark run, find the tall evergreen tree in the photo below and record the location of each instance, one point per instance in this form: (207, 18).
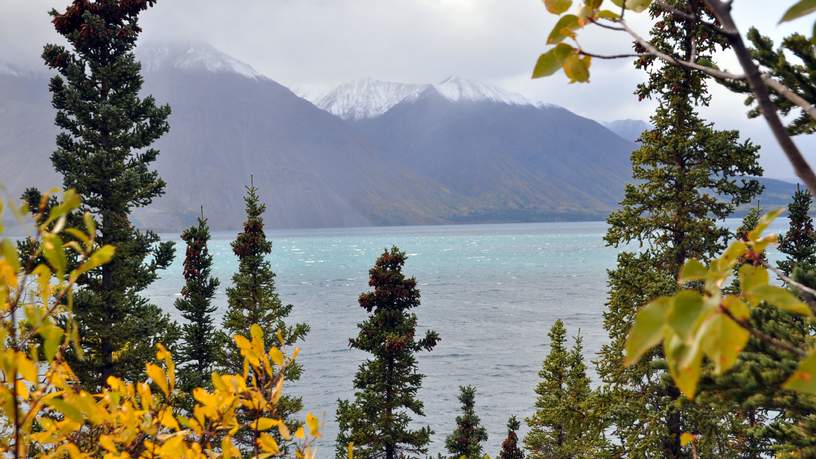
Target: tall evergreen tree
(510, 446)
(252, 299)
(199, 348)
(466, 440)
(377, 420)
(687, 177)
(104, 152)
(564, 424)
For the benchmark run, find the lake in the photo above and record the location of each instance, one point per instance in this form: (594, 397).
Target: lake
(491, 291)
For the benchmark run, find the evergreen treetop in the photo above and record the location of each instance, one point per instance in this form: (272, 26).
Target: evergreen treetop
(252, 299)
(688, 177)
(104, 153)
(199, 348)
(798, 242)
(466, 440)
(510, 448)
(378, 420)
(565, 423)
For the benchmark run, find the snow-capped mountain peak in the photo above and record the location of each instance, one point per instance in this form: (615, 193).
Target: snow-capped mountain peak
(369, 98)
(192, 56)
(460, 89)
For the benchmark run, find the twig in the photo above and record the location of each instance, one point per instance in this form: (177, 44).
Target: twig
(610, 56)
(716, 73)
(790, 281)
(779, 344)
(787, 93)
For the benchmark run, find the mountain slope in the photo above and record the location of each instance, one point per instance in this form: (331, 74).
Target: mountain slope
(228, 123)
(628, 129)
(518, 161)
(455, 151)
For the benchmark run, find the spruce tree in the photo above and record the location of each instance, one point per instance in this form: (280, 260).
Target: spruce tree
(252, 299)
(768, 419)
(199, 349)
(687, 177)
(564, 424)
(466, 440)
(510, 446)
(104, 152)
(378, 420)
(799, 242)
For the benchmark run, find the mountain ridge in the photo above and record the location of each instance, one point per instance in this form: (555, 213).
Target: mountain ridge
(465, 156)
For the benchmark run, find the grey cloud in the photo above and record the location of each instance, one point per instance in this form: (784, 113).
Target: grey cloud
(315, 44)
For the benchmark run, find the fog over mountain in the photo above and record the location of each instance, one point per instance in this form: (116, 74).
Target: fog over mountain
(366, 153)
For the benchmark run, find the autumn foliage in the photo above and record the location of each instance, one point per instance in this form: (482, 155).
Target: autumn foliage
(45, 413)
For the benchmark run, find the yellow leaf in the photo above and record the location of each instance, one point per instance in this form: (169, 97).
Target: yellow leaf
(268, 444)
(314, 424)
(276, 355)
(266, 423)
(687, 438)
(159, 378)
(168, 420)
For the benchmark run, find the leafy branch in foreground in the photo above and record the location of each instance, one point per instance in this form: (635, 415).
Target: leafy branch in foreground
(702, 321)
(45, 413)
(775, 86)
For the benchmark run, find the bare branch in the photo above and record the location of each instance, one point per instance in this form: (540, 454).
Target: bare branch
(787, 93)
(790, 281)
(716, 73)
(610, 56)
(758, 85)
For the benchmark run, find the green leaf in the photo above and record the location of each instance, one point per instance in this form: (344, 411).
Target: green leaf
(634, 5)
(764, 223)
(98, 258)
(557, 6)
(688, 304)
(804, 378)
(802, 8)
(54, 253)
(779, 297)
(70, 201)
(609, 15)
(693, 270)
(577, 68)
(736, 306)
(52, 338)
(751, 277)
(551, 61)
(647, 329)
(69, 411)
(684, 364)
(567, 23)
(722, 340)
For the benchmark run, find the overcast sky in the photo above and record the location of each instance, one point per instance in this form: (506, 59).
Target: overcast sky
(311, 45)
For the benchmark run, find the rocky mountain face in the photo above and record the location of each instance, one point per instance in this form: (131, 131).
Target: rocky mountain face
(366, 153)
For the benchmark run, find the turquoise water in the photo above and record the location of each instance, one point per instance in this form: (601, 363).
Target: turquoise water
(491, 291)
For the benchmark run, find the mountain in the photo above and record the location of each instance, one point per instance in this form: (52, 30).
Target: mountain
(514, 160)
(230, 122)
(376, 153)
(368, 98)
(628, 129)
